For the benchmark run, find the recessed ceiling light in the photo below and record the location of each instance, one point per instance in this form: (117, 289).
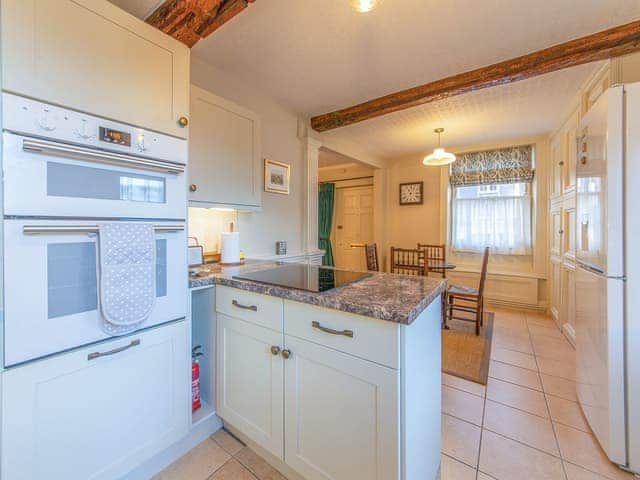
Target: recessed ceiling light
(364, 6)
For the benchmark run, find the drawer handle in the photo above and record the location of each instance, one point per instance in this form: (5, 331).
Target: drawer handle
(253, 308)
(94, 355)
(346, 333)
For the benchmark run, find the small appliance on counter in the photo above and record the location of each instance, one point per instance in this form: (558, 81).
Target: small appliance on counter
(230, 247)
(195, 253)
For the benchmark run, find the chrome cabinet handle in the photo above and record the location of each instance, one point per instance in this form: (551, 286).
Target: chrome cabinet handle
(346, 333)
(253, 308)
(275, 350)
(286, 354)
(94, 355)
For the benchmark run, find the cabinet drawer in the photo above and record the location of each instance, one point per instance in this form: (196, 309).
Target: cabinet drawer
(252, 307)
(82, 415)
(368, 338)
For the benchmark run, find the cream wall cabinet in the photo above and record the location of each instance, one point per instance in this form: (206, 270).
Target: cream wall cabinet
(91, 56)
(556, 291)
(332, 406)
(557, 166)
(71, 418)
(224, 153)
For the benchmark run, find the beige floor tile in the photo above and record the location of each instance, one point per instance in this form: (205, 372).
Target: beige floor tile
(505, 459)
(460, 440)
(558, 368)
(567, 412)
(578, 473)
(463, 405)
(559, 387)
(513, 374)
(551, 331)
(257, 465)
(484, 476)
(553, 348)
(230, 444)
(198, 464)
(512, 357)
(452, 469)
(232, 470)
(582, 449)
(519, 343)
(523, 398)
(464, 385)
(521, 426)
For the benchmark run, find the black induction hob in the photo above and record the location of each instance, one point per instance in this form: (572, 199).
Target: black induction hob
(304, 277)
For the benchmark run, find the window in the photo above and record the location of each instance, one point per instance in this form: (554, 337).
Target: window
(491, 201)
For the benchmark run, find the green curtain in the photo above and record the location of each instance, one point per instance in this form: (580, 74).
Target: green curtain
(326, 195)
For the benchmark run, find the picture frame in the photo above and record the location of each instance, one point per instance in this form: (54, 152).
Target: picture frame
(277, 177)
(411, 193)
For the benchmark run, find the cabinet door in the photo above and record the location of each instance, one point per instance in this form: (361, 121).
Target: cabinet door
(75, 418)
(91, 56)
(224, 152)
(556, 229)
(568, 295)
(341, 417)
(557, 165)
(569, 183)
(249, 384)
(556, 291)
(569, 235)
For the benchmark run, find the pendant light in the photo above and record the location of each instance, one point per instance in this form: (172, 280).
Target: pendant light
(439, 156)
(364, 6)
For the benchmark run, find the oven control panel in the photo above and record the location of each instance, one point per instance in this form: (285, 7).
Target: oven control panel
(115, 136)
(29, 117)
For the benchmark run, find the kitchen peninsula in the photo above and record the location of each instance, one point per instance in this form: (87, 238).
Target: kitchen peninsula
(362, 359)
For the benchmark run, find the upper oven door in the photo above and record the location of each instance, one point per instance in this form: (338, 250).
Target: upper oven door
(51, 302)
(49, 178)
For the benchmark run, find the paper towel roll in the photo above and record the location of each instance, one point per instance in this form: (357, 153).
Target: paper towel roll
(230, 251)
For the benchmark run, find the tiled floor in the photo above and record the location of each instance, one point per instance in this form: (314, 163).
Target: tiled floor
(525, 424)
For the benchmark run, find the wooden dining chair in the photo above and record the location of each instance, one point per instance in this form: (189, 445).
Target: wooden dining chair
(467, 300)
(436, 254)
(371, 252)
(407, 261)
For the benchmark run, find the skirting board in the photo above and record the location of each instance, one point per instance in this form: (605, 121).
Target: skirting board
(162, 460)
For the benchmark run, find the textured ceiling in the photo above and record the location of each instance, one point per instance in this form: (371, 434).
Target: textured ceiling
(315, 56)
(530, 107)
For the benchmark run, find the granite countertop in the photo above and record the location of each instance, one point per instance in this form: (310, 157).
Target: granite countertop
(385, 296)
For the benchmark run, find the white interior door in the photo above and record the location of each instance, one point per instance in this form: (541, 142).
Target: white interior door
(353, 223)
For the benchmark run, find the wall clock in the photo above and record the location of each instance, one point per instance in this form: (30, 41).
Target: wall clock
(411, 193)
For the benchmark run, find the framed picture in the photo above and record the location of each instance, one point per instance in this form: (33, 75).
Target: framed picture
(277, 176)
(411, 193)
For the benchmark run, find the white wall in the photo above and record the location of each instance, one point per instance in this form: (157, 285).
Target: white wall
(282, 215)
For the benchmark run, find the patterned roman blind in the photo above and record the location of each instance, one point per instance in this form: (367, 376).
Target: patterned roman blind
(504, 165)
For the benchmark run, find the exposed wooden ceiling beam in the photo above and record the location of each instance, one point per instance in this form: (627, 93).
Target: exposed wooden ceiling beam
(610, 43)
(191, 20)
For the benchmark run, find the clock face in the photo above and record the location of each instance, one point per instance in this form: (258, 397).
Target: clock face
(411, 193)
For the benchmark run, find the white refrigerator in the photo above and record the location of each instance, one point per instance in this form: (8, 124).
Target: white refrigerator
(608, 274)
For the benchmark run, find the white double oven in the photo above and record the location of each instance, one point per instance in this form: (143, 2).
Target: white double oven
(64, 173)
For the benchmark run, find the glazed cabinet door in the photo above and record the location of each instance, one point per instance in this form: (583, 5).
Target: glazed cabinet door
(249, 383)
(91, 56)
(81, 416)
(341, 415)
(224, 153)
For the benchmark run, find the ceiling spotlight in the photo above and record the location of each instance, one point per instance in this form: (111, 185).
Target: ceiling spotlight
(364, 6)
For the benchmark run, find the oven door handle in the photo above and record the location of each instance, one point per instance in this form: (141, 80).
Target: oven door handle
(97, 156)
(88, 229)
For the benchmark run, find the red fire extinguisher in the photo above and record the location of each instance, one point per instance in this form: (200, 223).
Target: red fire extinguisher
(195, 378)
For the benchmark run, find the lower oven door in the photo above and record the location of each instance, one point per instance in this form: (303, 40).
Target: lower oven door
(51, 297)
